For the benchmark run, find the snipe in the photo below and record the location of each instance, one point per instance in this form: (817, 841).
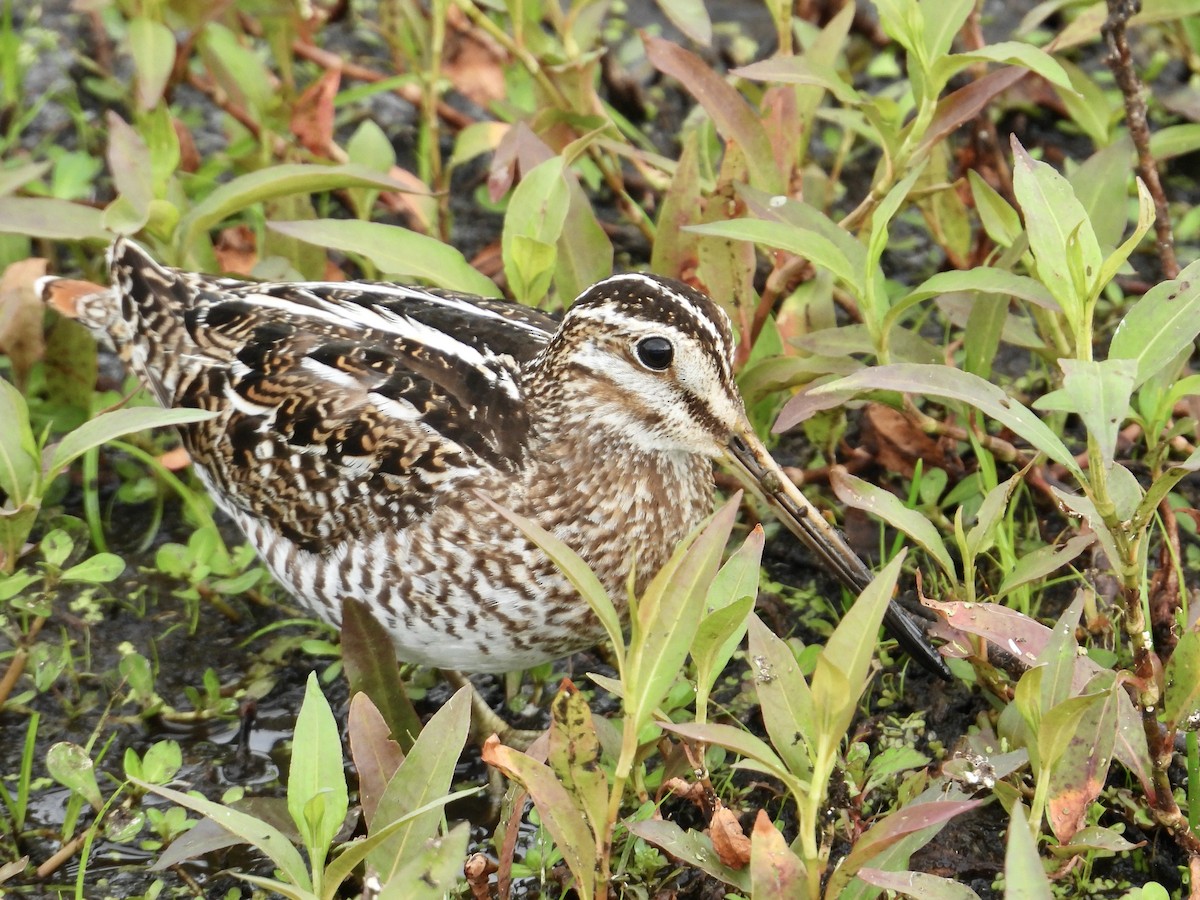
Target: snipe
(360, 426)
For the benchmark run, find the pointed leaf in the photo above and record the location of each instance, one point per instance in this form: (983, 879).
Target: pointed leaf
(786, 701)
(251, 830)
(1164, 322)
(316, 780)
(397, 251)
(776, 873)
(1024, 875)
(107, 426)
(878, 501)
(952, 384)
(425, 775)
(669, 614)
(692, 847)
(566, 823)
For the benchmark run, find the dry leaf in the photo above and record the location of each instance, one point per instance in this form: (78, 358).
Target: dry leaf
(21, 316)
(312, 116)
(236, 250)
(474, 62)
(729, 841)
(897, 444)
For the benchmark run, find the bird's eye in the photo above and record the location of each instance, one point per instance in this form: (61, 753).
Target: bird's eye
(655, 353)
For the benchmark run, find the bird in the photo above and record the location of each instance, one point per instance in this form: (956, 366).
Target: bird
(363, 435)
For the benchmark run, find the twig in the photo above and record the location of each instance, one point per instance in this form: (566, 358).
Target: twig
(1120, 60)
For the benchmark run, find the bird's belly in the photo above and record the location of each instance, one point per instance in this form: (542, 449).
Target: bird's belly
(459, 595)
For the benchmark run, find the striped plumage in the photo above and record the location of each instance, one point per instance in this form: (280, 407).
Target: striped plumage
(360, 427)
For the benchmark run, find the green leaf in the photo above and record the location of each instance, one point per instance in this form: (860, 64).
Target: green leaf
(982, 280)
(1113, 263)
(800, 70)
(942, 25)
(1163, 323)
(1058, 727)
(849, 651)
(998, 218)
(1098, 392)
(533, 224)
(425, 774)
(1161, 487)
(20, 464)
(692, 847)
(952, 384)
(738, 740)
(784, 696)
(269, 184)
(809, 245)
(1078, 777)
(152, 46)
(574, 755)
(669, 613)
(252, 830)
(13, 177)
(47, 217)
(70, 765)
(690, 17)
(433, 872)
(396, 251)
(883, 503)
(1182, 706)
(918, 885)
(730, 599)
(991, 511)
(317, 797)
(1043, 561)
(98, 569)
(107, 426)
(353, 854)
(1013, 53)
(1060, 234)
(1024, 875)
(585, 254)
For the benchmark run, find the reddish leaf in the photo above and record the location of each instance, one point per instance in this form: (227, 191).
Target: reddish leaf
(376, 755)
(776, 873)
(1078, 777)
(734, 119)
(966, 103)
(370, 660)
(312, 116)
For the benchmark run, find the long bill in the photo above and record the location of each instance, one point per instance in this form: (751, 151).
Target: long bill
(759, 472)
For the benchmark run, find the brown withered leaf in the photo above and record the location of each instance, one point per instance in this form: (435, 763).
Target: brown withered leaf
(473, 62)
(21, 316)
(236, 250)
(312, 116)
(897, 443)
(189, 153)
(416, 202)
(729, 841)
